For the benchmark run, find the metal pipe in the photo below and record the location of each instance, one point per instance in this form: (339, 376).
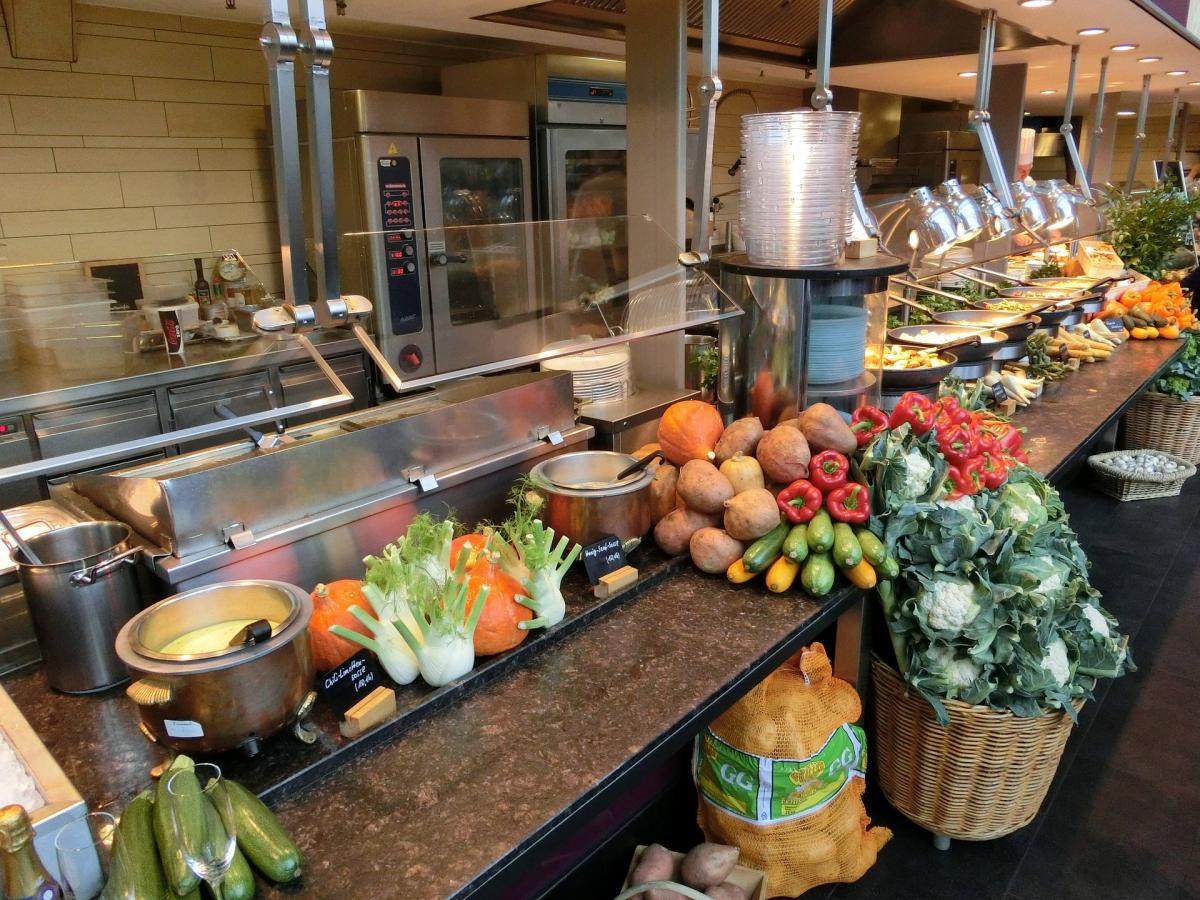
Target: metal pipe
(822, 96)
(1171, 151)
(981, 118)
(317, 47)
(926, 289)
(1139, 136)
(1097, 120)
(987, 49)
(1067, 129)
(710, 92)
(279, 43)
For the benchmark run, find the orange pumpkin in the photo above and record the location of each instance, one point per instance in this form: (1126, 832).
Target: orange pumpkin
(498, 628)
(331, 606)
(690, 429)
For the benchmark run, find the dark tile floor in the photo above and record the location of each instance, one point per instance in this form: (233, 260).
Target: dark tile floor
(1122, 821)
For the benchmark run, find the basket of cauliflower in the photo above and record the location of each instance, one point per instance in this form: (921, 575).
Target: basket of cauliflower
(999, 639)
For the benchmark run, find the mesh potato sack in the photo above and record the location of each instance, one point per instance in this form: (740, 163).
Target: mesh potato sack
(781, 776)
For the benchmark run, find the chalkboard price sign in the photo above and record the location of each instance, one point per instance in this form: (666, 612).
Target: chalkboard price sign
(999, 394)
(350, 682)
(604, 556)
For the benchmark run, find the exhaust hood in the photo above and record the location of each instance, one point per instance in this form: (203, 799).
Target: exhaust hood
(785, 31)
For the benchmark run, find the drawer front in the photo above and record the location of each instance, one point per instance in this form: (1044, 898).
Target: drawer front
(193, 405)
(15, 449)
(303, 382)
(93, 425)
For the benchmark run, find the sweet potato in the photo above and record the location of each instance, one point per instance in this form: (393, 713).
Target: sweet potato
(825, 429)
(751, 514)
(675, 529)
(707, 865)
(789, 423)
(713, 550)
(656, 864)
(742, 436)
(783, 454)
(662, 491)
(725, 891)
(702, 487)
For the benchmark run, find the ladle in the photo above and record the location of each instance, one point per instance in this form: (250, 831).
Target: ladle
(25, 549)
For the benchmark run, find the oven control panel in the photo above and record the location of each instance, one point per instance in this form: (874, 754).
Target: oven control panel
(399, 243)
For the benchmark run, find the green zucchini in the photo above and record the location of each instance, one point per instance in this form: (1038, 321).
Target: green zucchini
(261, 837)
(873, 550)
(180, 878)
(889, 568)
(759, 555)
(846, 550)
(239, 880)
(795, 545)
(820, 532)
(134, 871)
(817, 575)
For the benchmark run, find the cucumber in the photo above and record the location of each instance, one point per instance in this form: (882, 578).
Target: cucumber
(889, 568)
(239, 880)
(134, 869)
(846, 550)
(873, 550)
(817, 575)
(795, 545)
(759, 555)
(820, 532)
(181, 879)
(1128, 322)
(261, 837)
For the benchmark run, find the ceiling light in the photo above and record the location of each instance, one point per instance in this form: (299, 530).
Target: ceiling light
(1193, 83)
(1149, 59)
(1091, 32)
(1125, 113)
(1123, 48)
(966, 74)
(1049, 92)
(1177, 72)
(1035, 4)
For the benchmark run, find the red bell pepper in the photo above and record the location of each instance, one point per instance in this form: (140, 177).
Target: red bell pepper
(992, 470)
(1008, 435)
(949, 408)
(966, 478)
(915, 410)
(987, 443)
(866, 422)
(1020, 456)
(958, 443)
(828, 470)
(799, 501)
(849, 503)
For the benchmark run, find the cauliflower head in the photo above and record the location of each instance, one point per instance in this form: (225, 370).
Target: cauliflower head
(948, 605)
(958, 671)
(1056, 662)
(1096, 619)
(917, 474)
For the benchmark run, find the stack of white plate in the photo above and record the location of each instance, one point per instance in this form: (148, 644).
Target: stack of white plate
(598, 375)
(837, 343)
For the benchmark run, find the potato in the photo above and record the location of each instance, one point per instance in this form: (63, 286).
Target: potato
(675, 529)
(726, 891)
(783, 454)
(702, 487)
(789, 423)
(714, 551)
(656, 864)
(825, 429)
(742, 436)
(751, 514)
(662, 491)
(707, 865)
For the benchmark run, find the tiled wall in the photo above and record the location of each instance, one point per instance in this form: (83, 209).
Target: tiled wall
(154, 140)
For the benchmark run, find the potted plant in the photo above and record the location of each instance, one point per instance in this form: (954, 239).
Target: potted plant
(1148, 228)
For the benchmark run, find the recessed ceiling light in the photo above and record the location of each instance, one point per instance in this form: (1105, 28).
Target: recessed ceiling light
(1035, 4)
(1193, 83)
(966, 74)
(1125, 113)
(1091, 32)
(1123, 48)
(1177, 72)
(1149, 59)
(1049, 92)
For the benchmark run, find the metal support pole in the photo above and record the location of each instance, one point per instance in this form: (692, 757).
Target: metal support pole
(279, 43)
(1097, 120)
(317, 46)
(1139, 136)
(822, 96)
(710, 92)
(1172, 151)
(1067, 129)
(982, 119)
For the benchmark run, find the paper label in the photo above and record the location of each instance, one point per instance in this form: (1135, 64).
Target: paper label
(765, 791)
(183, 728)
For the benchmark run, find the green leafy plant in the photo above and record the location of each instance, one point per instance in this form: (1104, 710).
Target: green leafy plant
(1048, 270)
(710, 367)
(1182, 378)
(1149, 228)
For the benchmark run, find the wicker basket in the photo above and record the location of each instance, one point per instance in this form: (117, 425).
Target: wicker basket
(1116, 483)
(1158, 422)
(982, 776)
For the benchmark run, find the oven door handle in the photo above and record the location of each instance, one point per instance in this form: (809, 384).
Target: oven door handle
(441, 258)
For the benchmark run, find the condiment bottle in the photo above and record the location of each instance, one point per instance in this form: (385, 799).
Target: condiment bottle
(25, 878)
